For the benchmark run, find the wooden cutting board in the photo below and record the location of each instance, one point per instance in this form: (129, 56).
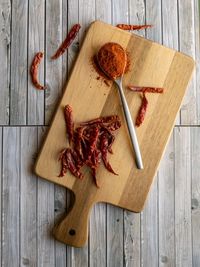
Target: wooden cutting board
(151, 65)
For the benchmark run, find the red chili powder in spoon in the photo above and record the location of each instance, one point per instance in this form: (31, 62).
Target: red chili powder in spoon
(112, 59)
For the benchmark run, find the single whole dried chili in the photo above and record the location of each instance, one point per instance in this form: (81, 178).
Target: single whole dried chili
(34, 70)
(69, 122)
(142, 111)
(104, 151)
(68, 40)
(112, 59)
(91, 141)
(142, 89)
(130, 27)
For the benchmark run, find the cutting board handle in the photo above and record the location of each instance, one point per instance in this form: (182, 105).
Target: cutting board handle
(73, 229)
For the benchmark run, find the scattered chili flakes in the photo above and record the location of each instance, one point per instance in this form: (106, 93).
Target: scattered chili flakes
(34, 70)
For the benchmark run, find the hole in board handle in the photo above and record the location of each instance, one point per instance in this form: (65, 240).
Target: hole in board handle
(72, 232)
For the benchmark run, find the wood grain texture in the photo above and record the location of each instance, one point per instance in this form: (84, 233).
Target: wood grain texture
(115, 254)
(28, 197)
(98, 219)
(19, 67)
(197, 53)
(174, 71)
(114, 235)
(169, 17)
(149, 229)
(45, 218)
(132, 239)
(187, 45)
(149, 217)
(166, 189)
(73, 18)
(1, 172)
(98, 234)
(11, 198)
(195, 198)
(36, 37)
(5, 10)
(53, 67)
(183, 240)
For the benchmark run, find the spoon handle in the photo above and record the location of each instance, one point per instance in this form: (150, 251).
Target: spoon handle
(130, 125)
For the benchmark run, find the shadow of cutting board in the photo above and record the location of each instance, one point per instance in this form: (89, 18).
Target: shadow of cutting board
(151, 65)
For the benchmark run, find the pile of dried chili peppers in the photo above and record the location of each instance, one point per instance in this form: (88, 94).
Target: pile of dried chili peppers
(90, 142)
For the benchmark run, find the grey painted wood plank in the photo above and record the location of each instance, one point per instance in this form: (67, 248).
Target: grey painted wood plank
(45, 218)
(19, 68)
(131, 239)
(1, 172)
(86, 16)
(132, 225)
(60, 192)
(137, 14)
(115, 218)
(166, 208)
(73, 18)
(197, 53)
(5, 9)
(120, 11)
(60, 209)
(195, 205)
(97, 237)
(28, 197)
(149, 229)
(11, 198)
(170, 29)
(35, 100)
(153, 16)
(97, 252)
(187, 45)
(183, 240)
(149, 217)
(81, 11)
(53, 67)
(114, 237)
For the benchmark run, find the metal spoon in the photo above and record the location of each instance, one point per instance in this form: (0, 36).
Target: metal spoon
(127, 114)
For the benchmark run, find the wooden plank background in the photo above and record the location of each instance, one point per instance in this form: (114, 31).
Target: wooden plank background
(167, 232)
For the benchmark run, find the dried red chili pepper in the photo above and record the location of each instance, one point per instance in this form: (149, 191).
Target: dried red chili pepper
(104, 151)
(95, 160)
(68, 40)
(142, 111)
(34, 70)
(130, 27)
(63, 160)
(78, 138)
(71, 164)
(142, 89)
(93, 142)
(100, 120)
(69, 122)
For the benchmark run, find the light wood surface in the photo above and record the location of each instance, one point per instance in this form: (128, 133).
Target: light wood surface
(48, 252)
(152, 65)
